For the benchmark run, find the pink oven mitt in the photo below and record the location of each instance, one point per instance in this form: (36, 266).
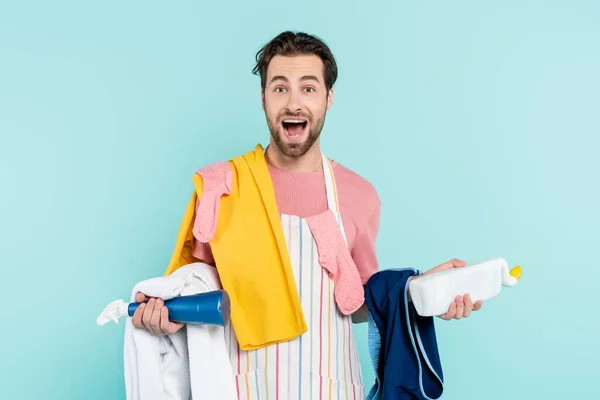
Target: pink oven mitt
(217, 180)
(335, 257)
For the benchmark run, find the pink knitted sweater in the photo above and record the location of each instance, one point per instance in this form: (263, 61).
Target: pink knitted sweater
(303, 194)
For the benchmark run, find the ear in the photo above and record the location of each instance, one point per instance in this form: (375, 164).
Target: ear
(329, 98)
(262, 99)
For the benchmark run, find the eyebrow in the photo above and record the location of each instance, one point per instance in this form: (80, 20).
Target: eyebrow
(304, 78)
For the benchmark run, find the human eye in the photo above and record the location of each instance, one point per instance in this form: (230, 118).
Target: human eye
(279, 89)
(309, 89)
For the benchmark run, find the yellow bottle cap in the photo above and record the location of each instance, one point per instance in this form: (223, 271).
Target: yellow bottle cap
(516, 272)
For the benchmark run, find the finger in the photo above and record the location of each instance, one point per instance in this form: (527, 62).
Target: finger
(136, 319)
(457, 263)
(451, 311)
(445, 317)
(164, 320)
(155, 319)
(168, 327)
(148, 310)
(477, 306)
(468, 306)
(140, 297)
(460, 306)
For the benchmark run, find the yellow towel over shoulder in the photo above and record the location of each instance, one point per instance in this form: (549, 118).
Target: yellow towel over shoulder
(250, 255)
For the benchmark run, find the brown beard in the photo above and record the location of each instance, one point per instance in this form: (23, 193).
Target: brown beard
(294, 150)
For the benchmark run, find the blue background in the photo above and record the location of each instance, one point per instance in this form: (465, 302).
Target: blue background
(478, 122)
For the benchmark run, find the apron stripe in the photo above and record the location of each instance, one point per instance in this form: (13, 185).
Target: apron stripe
(277, 371)
(300, 280)
(321, 340)
(312, 281)
(345, 366)
(247, 371)
(237, 381)
(337, 321)
(289, 357)
(256, 375)
(350, 358)
(329, 335)
(267, 372)
(289, 348)
(337, 355)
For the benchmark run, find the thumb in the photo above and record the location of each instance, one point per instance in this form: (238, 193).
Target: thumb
(456, 263)
(140, 297)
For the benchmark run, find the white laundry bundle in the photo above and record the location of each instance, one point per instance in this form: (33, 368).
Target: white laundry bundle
(194, 362)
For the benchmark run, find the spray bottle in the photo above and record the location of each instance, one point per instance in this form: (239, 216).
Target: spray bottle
(211, 308)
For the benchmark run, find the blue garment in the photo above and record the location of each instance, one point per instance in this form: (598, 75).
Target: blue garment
(402, 344)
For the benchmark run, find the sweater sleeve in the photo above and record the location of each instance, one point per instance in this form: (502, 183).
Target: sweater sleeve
(363, 252)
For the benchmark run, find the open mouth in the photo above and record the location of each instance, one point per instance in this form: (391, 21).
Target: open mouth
(294, 128)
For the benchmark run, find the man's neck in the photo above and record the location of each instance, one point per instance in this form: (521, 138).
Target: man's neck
(309, 162)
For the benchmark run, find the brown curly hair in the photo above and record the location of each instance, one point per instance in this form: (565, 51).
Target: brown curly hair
(289, 44)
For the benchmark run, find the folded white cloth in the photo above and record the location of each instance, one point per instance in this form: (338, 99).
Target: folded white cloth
(160, 367)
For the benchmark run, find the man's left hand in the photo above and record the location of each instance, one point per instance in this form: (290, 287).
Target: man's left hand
(462, 306)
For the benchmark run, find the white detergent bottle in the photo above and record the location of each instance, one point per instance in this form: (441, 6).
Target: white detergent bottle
(432, 294)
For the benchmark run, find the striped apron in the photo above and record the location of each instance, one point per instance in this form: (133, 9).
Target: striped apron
(321, 364)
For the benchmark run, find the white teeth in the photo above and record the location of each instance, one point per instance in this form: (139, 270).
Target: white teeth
(293, 121)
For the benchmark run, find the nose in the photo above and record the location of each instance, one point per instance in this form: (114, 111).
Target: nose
(294, 104)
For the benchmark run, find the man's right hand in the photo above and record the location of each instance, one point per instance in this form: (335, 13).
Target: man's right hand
(154, 316)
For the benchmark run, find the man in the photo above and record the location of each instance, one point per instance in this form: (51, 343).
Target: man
(298, 72)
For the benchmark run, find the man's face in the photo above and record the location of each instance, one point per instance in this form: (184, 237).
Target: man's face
(295, 102)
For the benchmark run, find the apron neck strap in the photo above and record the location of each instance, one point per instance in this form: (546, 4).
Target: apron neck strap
(330, 186)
